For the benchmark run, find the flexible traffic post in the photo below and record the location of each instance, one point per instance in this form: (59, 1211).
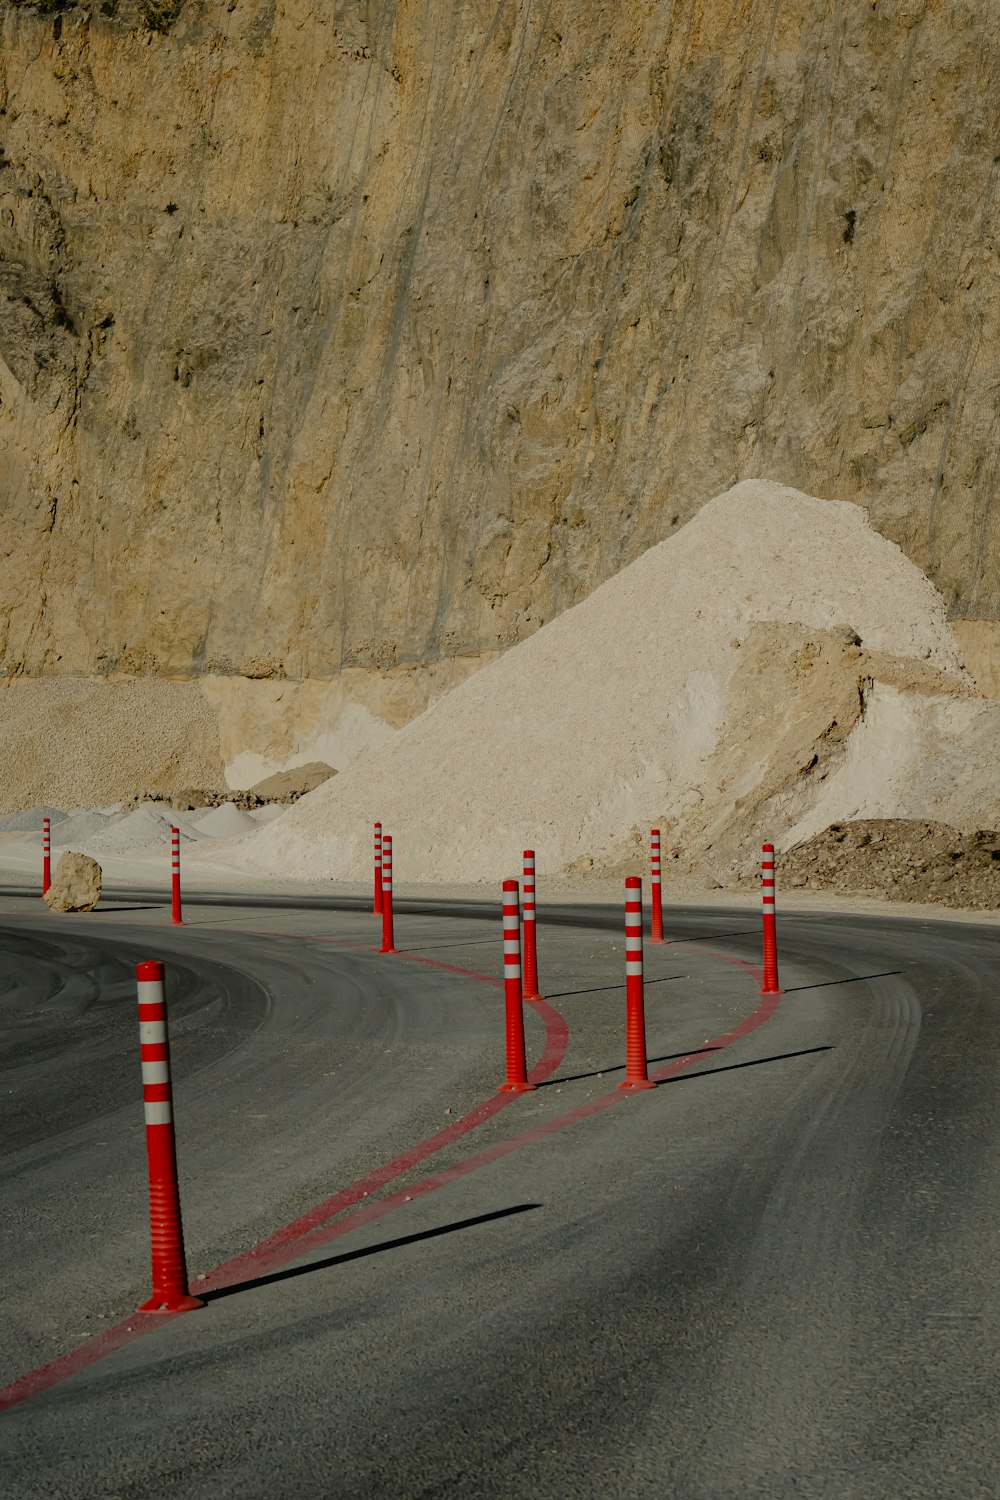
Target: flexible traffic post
(769, 974)
(656, 899)
(530, 986)
(171, 1293)
(46, 854)
(516, 1081)
(175, 878)
(378, 870)
(388, 943)
(636, 1071)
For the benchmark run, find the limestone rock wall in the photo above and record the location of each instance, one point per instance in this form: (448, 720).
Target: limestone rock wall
(358, 334)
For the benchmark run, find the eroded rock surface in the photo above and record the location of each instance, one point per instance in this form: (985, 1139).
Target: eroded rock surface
(342, 336)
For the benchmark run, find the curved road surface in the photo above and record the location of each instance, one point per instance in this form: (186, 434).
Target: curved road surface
(773, 1276)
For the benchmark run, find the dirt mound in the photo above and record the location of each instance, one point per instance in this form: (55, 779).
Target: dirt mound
(290, 785)
(187, 799)
(901, 860)
(283, 788)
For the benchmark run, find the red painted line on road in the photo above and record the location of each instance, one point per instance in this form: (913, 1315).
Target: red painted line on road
(282, 1242)
(372, 1211)
(249, 1264)
(728, 958)
(416, 958)
(284, 1246)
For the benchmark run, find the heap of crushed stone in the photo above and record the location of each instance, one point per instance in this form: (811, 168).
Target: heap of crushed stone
(81, 827)
(225, 822)
(901, 860)
(73, 742)
(31, 820)
(704, 689)
(144, 829)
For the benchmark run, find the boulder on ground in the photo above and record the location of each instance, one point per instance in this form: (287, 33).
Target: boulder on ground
(76, 884)
(288, 786)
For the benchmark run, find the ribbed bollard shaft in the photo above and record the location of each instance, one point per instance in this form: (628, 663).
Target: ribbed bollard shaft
(656, 896)
(769, 974)
(378, 870)
(175, 877)
(388, 937)
(46, 854)
(516, 1081)
(636, 1074)
(530, 987)
(166, 1235)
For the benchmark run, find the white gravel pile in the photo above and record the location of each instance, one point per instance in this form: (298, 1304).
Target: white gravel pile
(81, 827)
(141, 830)
(268, 814)
(225, 822)
(31, 819)
(605, 719)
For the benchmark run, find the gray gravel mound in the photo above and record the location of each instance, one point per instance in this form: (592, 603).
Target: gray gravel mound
(30, 821)
(81, 826)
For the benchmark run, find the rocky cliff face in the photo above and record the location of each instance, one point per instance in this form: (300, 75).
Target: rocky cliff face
(363, 333)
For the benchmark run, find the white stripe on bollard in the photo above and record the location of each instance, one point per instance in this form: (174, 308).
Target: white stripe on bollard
(516, 1081)
(388, 936)
(156, 1091)
(531, 991)
(769, 971)
(171, 1293)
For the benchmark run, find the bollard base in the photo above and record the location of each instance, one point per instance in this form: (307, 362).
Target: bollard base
(388, 950)
(515, 1088)
(770, 989)
(637, 1083)
(171, 1302)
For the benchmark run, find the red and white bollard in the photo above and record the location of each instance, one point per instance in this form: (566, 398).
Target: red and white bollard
(388, 942)
(516, 1081)
(170, 1279)
(656, 897)
(46, 854)
(530, 987)
(377, 908)
(175, 877)
(769, 976)
(636, 1074)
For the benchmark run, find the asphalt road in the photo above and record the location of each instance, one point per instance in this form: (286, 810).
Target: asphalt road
(773, 1276)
